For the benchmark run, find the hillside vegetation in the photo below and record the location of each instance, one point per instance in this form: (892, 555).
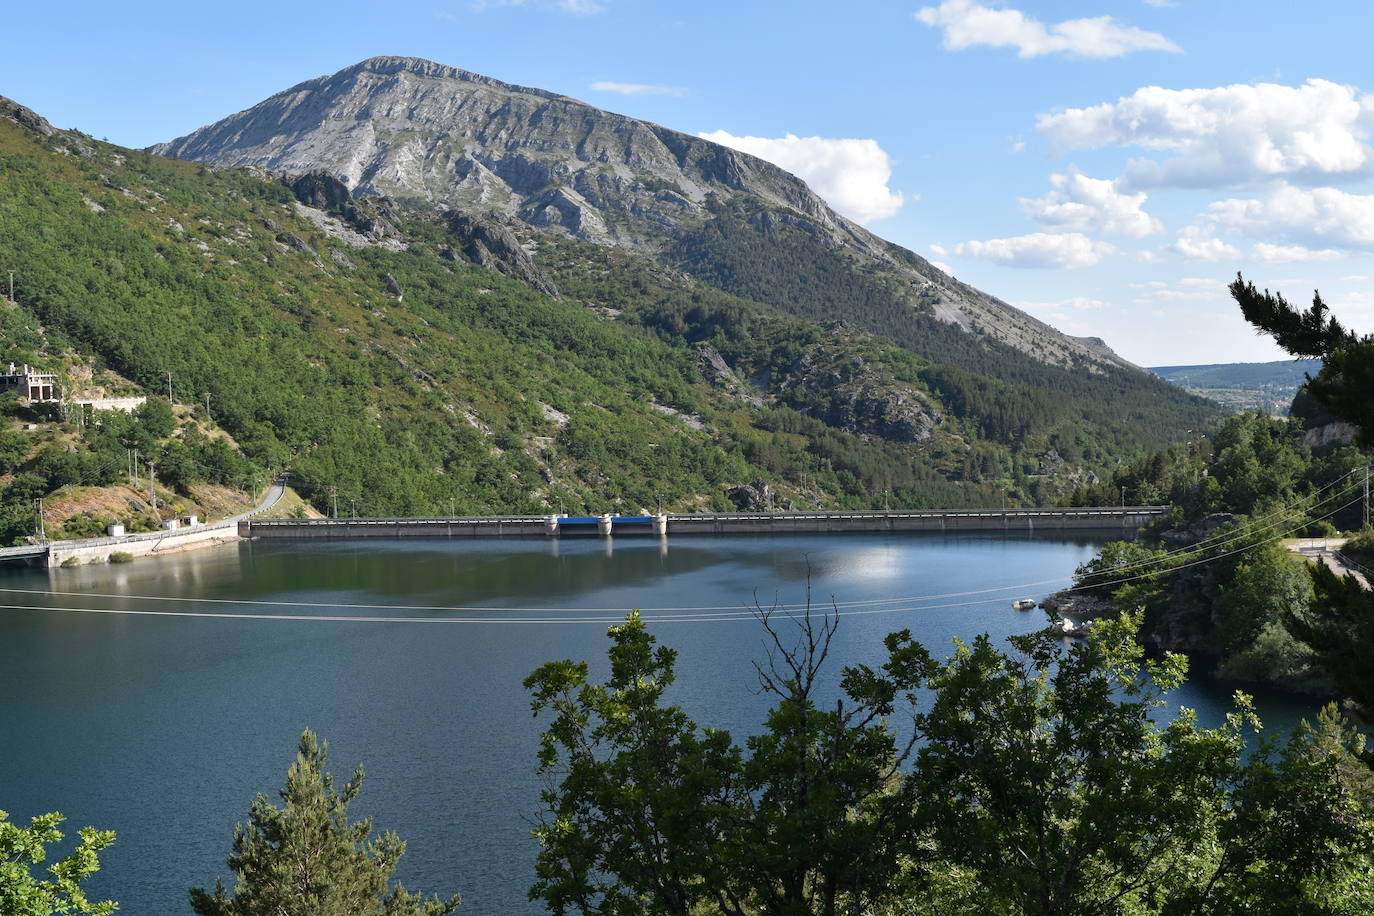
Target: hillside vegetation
(416, 382)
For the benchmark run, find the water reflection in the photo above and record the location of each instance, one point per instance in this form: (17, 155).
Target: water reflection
(164, 728)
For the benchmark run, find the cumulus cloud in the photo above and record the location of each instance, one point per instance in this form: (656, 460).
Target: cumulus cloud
(1315, 217)
(1288, 254)
(1229, 136)
(1161, 4)
(637, 88)
(1188, 289)
(1199, 243)
(1082, 204)
(967, 23)
(851, 174)
(1063, 250)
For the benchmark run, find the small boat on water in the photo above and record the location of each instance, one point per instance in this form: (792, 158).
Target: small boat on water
(1023, 604)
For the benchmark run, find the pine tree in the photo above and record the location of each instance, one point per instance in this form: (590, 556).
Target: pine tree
(307, 859)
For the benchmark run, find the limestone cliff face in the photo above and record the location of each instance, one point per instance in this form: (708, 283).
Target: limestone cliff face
(427, 134)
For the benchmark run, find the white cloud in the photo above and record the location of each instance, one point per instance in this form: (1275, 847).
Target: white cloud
(1288, 254)
(637, 88)
(1161, 4)
(1189, 289)
(1316, 217)
(1199, 243)
(1039, 249)
(941, 265)
(1229, 136)
(1082, 204)
(967, 23)
(851, 174)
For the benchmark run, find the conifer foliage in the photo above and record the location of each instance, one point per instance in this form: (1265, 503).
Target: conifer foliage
(307, 859)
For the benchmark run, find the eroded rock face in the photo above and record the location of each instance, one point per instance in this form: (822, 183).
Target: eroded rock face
(321, 191)
(753, 497)
(846, 391)
(495, 247)
(718, 372)
(24, 117)
(426, 134)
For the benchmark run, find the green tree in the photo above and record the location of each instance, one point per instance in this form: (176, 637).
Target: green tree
(657, 815)
(1045, 779)
(23, 848)
(307, 858)
(1030, 781)
(155, 417)
(1340, 626)
(1345, 385)
(14, 448)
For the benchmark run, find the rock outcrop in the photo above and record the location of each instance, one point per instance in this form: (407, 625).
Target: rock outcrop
(495, 247)
(25, 117)
(753, 497)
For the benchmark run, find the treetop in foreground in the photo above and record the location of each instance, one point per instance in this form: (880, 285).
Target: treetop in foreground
(24, 848)
(306, 858)
(1034, 779)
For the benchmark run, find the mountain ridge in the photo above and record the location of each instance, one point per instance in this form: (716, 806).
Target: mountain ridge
(428, 134)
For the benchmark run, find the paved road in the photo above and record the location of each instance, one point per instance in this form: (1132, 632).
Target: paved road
(1327, 552)
(269, 499)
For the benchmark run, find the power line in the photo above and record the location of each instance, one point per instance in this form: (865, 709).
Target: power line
(1151, 565)
(663, 615)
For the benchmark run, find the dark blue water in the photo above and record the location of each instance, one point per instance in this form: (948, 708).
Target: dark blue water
(164, 727)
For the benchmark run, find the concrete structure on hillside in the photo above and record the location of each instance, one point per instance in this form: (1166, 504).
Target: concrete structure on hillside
(128, 405)
(29, 383)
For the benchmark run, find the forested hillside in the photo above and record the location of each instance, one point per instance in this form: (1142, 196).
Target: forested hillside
(366, 350)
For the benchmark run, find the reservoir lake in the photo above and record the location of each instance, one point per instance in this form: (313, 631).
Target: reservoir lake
(164, 726)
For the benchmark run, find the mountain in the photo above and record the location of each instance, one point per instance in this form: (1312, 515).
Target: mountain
(418, 359)
(424, 134)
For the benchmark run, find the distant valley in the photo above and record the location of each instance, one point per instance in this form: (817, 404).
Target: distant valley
(1264, 387)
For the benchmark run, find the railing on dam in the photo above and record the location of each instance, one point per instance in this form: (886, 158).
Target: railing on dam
(1086, 518)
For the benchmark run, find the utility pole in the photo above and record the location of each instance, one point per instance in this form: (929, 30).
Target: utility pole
(11, 287)
(169, 387)
(1366, 496)
(152, 484)
(38, 513)
(334, 501)
(207, 407)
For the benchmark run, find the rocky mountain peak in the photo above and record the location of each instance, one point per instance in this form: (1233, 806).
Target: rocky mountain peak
(433, 136)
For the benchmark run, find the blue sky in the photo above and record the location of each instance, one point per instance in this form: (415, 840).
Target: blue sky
(1107, 165)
